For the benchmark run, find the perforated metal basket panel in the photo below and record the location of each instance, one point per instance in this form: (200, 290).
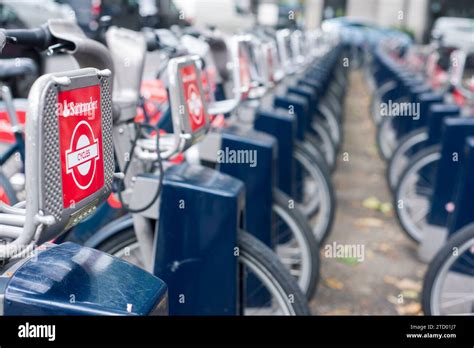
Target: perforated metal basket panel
(62, 135)
(52, 196)
(106, 108)
(52, 193)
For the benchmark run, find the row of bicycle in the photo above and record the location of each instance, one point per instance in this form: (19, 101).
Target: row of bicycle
(422, 105)
(211, 179)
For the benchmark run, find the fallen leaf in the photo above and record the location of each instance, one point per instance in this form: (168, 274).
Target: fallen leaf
(384, 248)
(393, 300)
(408, 284)
(339, 311)
(420, 273)
(409, 309)
(348, 260)
(371, 203)
(403, 284)
(369, 254)
(390, 280)
(368, 222)
(334, 283)
(410, 294)
(385, 208)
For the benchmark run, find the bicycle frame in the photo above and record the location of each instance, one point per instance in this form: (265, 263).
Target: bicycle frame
(18, 145)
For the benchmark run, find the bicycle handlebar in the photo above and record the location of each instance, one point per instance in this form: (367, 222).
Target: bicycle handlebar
(39, 38)
(58, 34)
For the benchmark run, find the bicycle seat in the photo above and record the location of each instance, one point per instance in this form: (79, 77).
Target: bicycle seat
(17, 67)
(128, 49)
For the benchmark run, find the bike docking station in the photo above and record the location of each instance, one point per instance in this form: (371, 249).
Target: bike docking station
(140, 235)
(69, 169)
(455, 132)
(187, 171)
(418, 116)
(285, 117)
(269, 106)
(192, 254)
(458, 220)
(254, 152)
(268, 116)
(430, 163)
(195, 256)
(255, 161)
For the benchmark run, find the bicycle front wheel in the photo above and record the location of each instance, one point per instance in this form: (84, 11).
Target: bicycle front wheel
(401, 156)
(285, 297)
(318, 201)
(448, 288)
(413, 193)
(296, 245)
(282, 295)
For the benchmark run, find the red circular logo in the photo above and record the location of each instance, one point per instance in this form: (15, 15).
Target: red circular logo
(82, 156)
(195, 106)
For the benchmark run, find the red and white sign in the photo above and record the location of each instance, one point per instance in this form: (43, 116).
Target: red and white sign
(192, 96)
(80, 138)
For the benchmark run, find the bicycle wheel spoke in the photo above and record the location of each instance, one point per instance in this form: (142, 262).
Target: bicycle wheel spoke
(457, 301)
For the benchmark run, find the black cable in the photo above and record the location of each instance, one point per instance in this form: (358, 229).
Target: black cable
(157, 161)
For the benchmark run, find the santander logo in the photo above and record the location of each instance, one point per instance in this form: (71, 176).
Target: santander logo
(71, 108)
(80, 131)
(195, 104)
(82, 155)
(192, 97)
